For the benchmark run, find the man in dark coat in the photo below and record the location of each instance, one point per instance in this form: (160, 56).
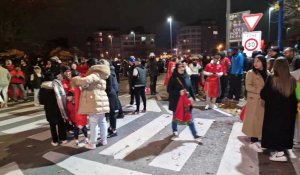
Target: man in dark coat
(130, 78)
(293, 58)
(153, 72)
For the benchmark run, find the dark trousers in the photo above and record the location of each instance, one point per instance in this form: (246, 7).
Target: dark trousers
(112, 120)
(235, 83)
(131, 92)
(58, 131)
(76, 132)
(195, 83)
(153, 80)
(138, 93)
(224, 85)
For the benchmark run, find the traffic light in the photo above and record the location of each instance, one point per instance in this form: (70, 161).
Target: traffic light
(276, 6)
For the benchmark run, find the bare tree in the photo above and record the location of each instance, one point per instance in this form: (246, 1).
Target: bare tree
(292, 12)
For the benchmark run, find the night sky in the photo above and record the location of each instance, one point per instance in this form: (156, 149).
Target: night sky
(77, 19)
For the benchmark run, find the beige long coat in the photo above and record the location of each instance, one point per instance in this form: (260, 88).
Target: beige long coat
(254, 115)
(93, 98)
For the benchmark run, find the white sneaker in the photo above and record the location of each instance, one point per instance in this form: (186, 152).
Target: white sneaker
(207, 107)
(278, 157)
(256, 147)
(54, 144)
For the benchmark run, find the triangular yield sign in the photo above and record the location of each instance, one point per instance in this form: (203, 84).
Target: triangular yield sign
(252, 20)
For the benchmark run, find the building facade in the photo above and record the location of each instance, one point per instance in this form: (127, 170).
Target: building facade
(110, 43)
(197, 39)
(139, 45)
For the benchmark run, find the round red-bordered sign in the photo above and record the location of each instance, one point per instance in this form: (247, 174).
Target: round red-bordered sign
(249, 42)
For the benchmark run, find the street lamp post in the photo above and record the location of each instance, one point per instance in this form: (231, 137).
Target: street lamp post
(170, 21)
(133, 33)
(270, 15)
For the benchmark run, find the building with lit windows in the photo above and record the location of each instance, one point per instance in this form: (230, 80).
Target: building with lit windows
(198, 38)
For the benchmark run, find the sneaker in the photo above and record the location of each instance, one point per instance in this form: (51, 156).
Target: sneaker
(256, 147)
(278, 157)
(112, 134)
(77, 143)
(90, 146)
(214, 106)
(175, 135)
(198, 138)
(102, 143)
(207, 107)
(64, 142)
(54, 143)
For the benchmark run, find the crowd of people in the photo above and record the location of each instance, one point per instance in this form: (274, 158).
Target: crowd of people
(76, 95)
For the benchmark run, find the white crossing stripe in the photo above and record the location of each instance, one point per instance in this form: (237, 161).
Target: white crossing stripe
(14, 112)
(11, 169)
(177, 153)
(151, 106)
(26, 127)
(127, 119)
(295, 159)
(17, 106)
(41, 136)
(222, 112)
(128, 144)
(20, 118)
(79, 166)
(238, 158)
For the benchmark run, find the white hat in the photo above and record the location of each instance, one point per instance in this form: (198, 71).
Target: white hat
(152, 54)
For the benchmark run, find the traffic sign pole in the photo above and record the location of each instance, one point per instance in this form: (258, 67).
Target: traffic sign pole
(280, 24)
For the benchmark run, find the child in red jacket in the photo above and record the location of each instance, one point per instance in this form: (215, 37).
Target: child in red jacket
(79, 121)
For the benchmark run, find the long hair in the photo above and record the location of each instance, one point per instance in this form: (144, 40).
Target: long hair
(263, 60)
(282, 80)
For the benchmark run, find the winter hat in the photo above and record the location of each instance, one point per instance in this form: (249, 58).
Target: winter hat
(229, 50)
(152, 54)
(91, 62)
(138, 60)
(275, 49)
(65, 68)
(131, 59)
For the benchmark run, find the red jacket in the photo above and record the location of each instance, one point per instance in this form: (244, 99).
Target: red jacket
(17, 77)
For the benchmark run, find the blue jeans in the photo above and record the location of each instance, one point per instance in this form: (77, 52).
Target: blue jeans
(190, 124)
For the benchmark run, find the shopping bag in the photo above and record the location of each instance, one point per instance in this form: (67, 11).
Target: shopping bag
(147, 91)
(183, 110)
(243, 113)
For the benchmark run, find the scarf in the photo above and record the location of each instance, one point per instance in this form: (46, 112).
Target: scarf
(60, 97)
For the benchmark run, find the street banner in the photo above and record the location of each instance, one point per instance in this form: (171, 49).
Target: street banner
(251, 42)
(237, 26)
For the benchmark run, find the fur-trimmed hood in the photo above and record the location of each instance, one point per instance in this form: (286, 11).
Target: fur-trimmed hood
(102, 70)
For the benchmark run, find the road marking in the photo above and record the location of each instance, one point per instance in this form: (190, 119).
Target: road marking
(166, 107)
(151, 106)
(15, 112)
(26, 127)
(295, 159)
(20, 118)
(41, 136)
(177, 153)
(11, 169)
(128, 144)
(222, 112)
(238, 158)
(79, 166)
(17, 106)
(127, 119)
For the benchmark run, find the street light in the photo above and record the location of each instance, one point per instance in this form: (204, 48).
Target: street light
(270, 14)
(220, 47)
(132, 33)
(170, 21)
(111, 38)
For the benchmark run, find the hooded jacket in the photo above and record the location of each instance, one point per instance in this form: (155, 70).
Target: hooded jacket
(93, 99)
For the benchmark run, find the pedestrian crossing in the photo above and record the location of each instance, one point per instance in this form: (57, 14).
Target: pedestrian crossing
(237, 158)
